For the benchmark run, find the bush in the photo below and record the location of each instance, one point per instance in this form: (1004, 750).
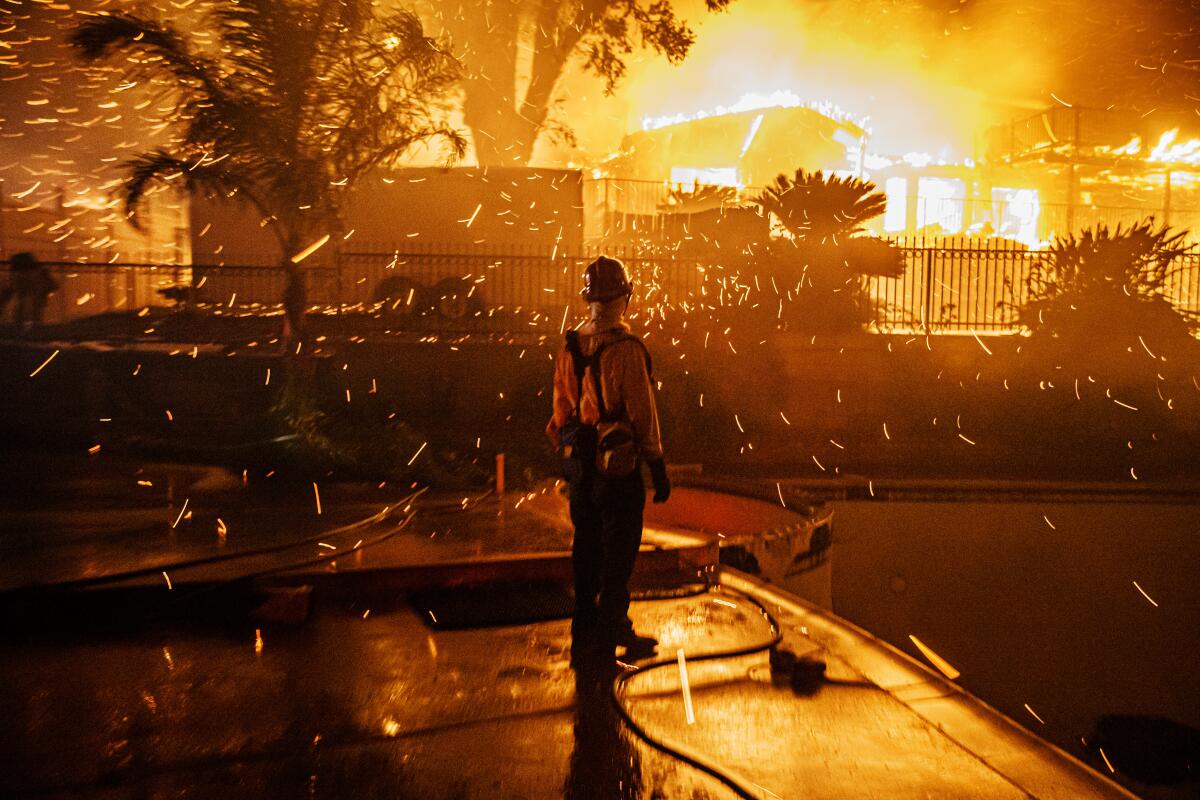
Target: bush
(1097, 313)
(322, 434)
(820, 261)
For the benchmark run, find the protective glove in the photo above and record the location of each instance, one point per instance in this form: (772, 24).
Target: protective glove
(662, 485)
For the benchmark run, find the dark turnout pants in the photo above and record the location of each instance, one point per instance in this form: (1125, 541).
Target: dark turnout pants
(607, 514)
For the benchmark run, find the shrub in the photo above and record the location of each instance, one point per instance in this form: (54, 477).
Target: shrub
(1098, 311)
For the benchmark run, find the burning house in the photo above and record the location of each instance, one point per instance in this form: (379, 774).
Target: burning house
(1092, 166)
(739, 147)
(1030, 180)
(1045, 175)
(746, 145)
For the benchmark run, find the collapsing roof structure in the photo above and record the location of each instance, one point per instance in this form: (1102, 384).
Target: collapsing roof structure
(745, 148)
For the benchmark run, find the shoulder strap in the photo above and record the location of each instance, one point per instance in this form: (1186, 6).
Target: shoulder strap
(579, 362)
(594, 361)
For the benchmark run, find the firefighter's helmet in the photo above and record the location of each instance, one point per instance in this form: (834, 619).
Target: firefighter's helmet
(604, 280)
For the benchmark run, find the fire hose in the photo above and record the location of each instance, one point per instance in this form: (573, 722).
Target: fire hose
(735, 782)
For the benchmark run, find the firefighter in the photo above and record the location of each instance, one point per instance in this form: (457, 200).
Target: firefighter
(607, 511)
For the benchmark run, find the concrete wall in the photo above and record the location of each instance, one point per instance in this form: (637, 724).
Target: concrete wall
(1035, 603)
(416, 210)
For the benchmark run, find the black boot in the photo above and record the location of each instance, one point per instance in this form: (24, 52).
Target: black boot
(636, 645)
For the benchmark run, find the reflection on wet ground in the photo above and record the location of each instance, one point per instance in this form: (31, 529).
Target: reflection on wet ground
(67, 520)
(366, 700)
(359, 702)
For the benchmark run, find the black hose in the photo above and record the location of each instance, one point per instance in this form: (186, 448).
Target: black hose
(724, 776)
(141, 572)
(308, 562)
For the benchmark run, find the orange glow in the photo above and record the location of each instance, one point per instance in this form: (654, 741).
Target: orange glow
(752, 101)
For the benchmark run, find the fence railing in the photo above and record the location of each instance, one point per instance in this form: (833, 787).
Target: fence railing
(948, 285)
(954, 285)
(964, 284)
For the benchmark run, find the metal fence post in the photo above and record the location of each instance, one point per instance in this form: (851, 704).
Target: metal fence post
(338, 266)
(927, 286)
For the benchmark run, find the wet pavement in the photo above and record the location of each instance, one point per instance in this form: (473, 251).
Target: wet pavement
(367, 694)
(84, 519)
(370, 701)
(354, 704)
(106, 523)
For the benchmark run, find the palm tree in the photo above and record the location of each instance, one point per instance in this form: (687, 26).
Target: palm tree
(697, 198)
(822, 209)
(825, 254)
(285, 104)
(1132, 264)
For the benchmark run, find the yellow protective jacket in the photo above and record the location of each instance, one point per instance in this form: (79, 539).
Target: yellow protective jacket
(625, 384)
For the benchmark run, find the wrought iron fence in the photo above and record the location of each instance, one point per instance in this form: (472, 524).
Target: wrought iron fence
(949, 285)
(953, 285)
(958, 285)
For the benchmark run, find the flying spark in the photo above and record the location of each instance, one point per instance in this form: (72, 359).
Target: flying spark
(43, 364)
(939, 662)
(182, 511)
(1143, 591)
(686, 688)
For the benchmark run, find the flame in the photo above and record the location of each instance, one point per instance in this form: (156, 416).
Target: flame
(1130, 148)
(1168, 152)
(915, 158)
(753, 101)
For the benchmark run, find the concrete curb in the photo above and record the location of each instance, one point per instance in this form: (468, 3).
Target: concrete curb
(1036, 767)
(683, 564)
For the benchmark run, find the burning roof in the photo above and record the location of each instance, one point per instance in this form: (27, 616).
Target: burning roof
(739, 147)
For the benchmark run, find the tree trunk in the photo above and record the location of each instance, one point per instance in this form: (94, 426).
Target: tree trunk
(295, 305)
(503, 137)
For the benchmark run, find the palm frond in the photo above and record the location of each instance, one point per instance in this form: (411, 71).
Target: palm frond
(97, 37)
(1136, 260)
(1109, 281)
(685, 200)
(197, 171)
(286, 101)
(144, 170)
(820, 208)
(268, 47)
(395, 86)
